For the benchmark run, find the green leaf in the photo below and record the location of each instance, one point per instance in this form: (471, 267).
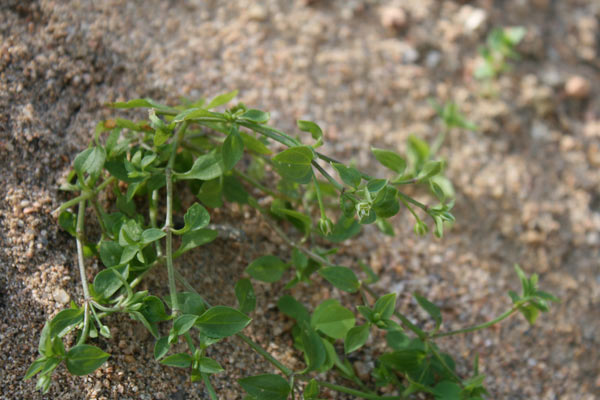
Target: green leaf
(406, 361)
(106, 282)
(110, 253)
(234, 191)
(524, 280)
(222, 321)
(189, 303)
(209, 366)
(233, 150)
(205, 168)
(314, 350)
(430, 169)
(300, 220)
(332, 319)
(447, 390)
(184, 323)
(152, 235)
(309, 126)
(84, 359)
(197, 113)
(245, 295)
(64, 321)
(257, 116)
(530, 312)
(293, 308)
(142, 103)
(376, 185)
(221, 99)
(154, 309)
(342, 278)
(196, 217)
(311, 391)
(385, 305)
(90, 161)
(35, 367)
(68, 222)
(417, 150)
(390, 159)
(266, 387)
(194, 239)
(349, 175)
(356, 338)
(431, 309)
(161, 347)
(386, 203)
(179, 360)
(267, 269)
(295, 164)
(210, 193)
(254, 145)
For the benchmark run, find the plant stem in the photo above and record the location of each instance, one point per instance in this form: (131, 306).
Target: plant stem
(260, 186)
(444, 364)
(86, 324)
(319, 196)
(153, 213)
(502, 317)
(358, 393)
(190, 342)
(209, 387)
(331, 180)
(271, 133)
(169, 219)
(79, 235)
(285, 370)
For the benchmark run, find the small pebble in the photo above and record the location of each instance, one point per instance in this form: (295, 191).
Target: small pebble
(577, 87)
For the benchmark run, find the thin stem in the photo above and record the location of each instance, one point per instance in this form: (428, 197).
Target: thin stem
(409, 199)
(260, 186)
(190, 342)
(99, 215)
(209, 387)
(85, 196)
(331, 180)
(358, 393)
(271, 133)
(502, 317)
(444, 364)
(169, 219)
(285, 370)
(319, 196)
(79, 234)
(153, 213)
(86, 324)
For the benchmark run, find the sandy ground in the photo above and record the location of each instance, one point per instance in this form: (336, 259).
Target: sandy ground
(528, 182)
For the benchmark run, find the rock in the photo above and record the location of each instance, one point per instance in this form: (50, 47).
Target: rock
(577, 87)
(362, 370)
(257, 13)
(393, 18)
(472, 18)
(433, 59)
(60, 296)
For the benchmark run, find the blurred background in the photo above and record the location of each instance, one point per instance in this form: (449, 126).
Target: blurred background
(527, 178)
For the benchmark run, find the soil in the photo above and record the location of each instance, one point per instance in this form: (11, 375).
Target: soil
(528, 184)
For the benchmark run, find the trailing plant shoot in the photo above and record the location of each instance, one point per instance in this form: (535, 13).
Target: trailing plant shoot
(191, 145)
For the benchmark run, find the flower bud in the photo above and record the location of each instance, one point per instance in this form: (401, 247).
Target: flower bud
(363, 209)
(421, 228)
(326, 226)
